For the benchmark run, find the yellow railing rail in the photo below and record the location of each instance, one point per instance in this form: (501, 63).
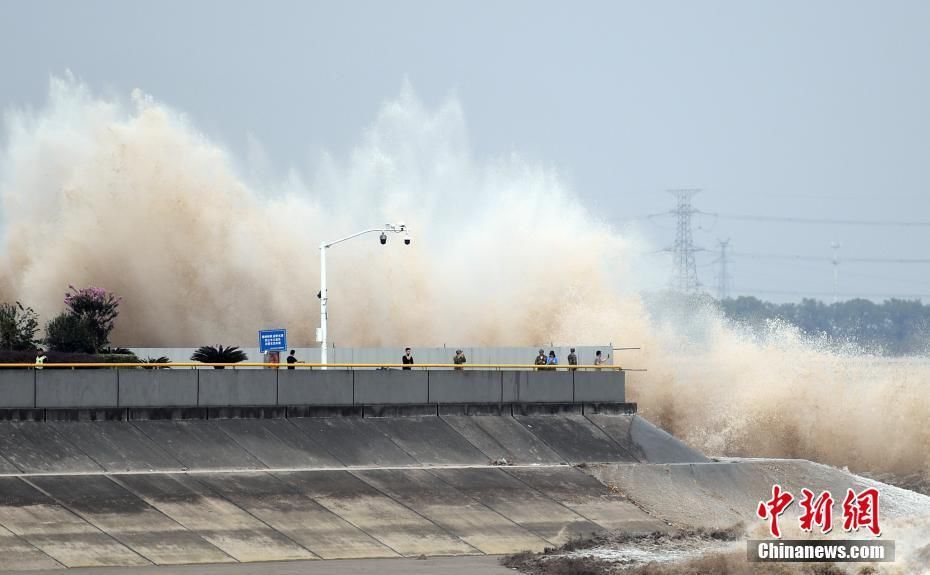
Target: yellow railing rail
(469, 366)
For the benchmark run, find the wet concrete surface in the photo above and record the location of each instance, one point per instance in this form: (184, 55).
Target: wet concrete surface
(402, 529)
(61, 535)
(354, 441)
(452, 510)
(503, 437)
(644, 441)
(348, 489)
(429, 440)
(464, 565)
(116, 446)
(277, 443)
(286, 509)
(521, 504)
(575, 438)
(39, 448)
(126, 518)
(587, 497)
(199, 444)
(217, 520)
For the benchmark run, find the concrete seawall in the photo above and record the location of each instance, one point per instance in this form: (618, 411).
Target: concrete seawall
(331, 442)
(127, 493)
(138, 467)
(27, 389)
(95, 493)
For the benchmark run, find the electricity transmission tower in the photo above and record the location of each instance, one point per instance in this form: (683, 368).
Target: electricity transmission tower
(685, 279)
(723, 276)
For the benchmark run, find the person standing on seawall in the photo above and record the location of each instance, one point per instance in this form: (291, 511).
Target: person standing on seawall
(600, 359)
(572, 358)
(407, 359)
(459, 359)
(40, 358)
(540, 359)
(291, 359)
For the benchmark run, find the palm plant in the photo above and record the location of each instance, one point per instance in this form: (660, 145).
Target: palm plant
(115, 351)
(219, 354)
(160, 359)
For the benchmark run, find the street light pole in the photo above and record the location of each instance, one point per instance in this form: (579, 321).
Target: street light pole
(323, 299)
(393, 228)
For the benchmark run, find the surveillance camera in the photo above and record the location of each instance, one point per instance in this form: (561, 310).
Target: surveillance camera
(407, 239)
(383, 238)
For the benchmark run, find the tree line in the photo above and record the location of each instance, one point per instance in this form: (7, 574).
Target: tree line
(84, 327)
(894, 327)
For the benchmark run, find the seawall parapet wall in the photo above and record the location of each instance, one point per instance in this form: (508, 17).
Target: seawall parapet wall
(281, 390)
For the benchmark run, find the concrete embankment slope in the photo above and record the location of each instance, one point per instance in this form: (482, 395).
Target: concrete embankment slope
(222, 491)
(323, 443)
(213, 491)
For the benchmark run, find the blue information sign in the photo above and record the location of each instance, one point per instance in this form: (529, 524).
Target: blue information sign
(272, 340)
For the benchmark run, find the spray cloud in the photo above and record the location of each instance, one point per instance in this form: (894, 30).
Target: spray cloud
(133, 198)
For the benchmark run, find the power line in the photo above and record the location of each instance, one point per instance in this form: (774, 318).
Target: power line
(751, 290)
(887, 260)
(797, 220)
(802, 257)
(827, 221)
(761, 256)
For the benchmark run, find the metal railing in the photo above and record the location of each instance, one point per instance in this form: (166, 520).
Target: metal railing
(301, 365)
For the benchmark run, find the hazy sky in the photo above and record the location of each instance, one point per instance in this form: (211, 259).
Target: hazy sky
(815, 108)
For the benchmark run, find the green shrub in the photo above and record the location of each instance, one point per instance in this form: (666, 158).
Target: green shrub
(69, 333)
(155, 360)
(98, 309)
(18, 327)
(116, 351)
(61, 357)
(116, 358)
(7, 356)
(219, 354)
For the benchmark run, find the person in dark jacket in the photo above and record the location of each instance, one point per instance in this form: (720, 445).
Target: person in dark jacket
(407, 359)
(292, 359)
(459, 359)
(572, 358)
(541, 358)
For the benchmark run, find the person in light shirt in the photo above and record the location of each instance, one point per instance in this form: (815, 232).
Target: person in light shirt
(40, 358)
(553, 360)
